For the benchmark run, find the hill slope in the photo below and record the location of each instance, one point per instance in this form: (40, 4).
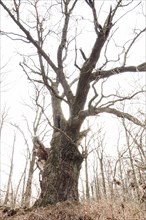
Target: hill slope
(102, 210)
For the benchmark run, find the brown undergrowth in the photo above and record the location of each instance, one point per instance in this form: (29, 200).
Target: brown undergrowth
(101, 210)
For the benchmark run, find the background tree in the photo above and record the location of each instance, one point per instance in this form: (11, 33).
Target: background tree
(36, 131)
(78, 87)
(9, 184)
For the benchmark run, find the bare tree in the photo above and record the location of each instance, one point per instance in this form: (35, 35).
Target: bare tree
(136, 145)
(76, 87)
(3, 119)
(100, 153)
(36, 128)
(36, 131)
(7, 196)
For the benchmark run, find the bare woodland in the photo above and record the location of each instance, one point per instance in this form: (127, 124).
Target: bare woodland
(75, 62)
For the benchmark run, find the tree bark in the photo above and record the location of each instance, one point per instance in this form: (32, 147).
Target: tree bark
(28, 190)
(61, 173)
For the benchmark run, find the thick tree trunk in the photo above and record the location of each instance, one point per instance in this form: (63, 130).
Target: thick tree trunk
(61, 173)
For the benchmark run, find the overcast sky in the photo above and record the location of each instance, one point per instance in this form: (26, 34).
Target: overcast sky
(16, 89)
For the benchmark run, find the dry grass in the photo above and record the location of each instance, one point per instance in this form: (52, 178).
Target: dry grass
(102, 210)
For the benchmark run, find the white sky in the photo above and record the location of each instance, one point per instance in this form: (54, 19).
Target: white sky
(16, 88)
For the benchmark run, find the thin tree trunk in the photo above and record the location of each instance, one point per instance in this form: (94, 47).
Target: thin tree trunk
(83, 190)
(96, 179)
(23, 187)
(17, 189)
(97, 188)
(121, 177)
(86, 176)
(10, 173)
(131, 162)
(102, 175)
(28, 190)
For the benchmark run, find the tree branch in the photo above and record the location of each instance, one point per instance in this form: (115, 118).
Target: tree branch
(59, 70)
(97, 111)
(131, 44)
(88, 66)
(107, 73)
(45, 82)
(86, 70)
(30, 38)
(97, 26)
(61, 75)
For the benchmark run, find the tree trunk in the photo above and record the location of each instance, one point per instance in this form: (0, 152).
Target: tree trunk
(86, 175)
(87, 180)
(10, 173)
(61, 172)
(102, 175)
(28, 190)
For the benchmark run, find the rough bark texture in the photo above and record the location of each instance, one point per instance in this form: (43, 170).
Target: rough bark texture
(60, 177)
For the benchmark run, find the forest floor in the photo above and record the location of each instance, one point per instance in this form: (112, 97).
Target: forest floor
(101, 210)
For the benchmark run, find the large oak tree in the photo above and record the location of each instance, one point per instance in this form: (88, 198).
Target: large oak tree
(69, 80)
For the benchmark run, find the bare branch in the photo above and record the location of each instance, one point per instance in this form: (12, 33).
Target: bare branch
(97, 26)
(90, 63)
(17, 8)
(88, 66)
(30, 38)
(45, 82)
(95, 95)
(3, 118)
(105, 51)
(97, 111)
(61, 47)
(8, 34)
(83, 54)
(119, 99)
(107, 73)
(75, 62)
(131, 44)
(24, 137)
